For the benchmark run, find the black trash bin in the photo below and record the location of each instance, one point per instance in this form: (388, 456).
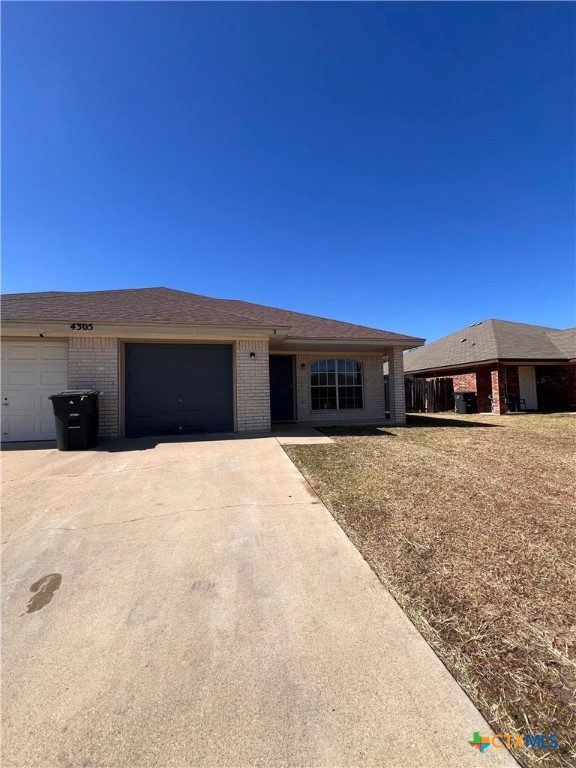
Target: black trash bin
(76, 416)
(465, 402)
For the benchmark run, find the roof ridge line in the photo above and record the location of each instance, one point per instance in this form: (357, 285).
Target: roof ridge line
(492, 331)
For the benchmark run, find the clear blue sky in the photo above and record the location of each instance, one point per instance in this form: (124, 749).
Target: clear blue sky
(409, 166)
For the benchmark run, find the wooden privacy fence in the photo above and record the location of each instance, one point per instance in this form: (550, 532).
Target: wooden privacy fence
(431, 396)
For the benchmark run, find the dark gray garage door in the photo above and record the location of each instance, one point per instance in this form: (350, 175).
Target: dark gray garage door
(178, 388)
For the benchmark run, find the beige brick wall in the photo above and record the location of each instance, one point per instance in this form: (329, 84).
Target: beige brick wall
(252, 385)
(93, 364)
(373, 381)
(396, 385)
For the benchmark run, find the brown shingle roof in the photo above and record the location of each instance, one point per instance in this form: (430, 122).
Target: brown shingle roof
(493, 340)
(310, 326)
(165, 306)
(565, 341)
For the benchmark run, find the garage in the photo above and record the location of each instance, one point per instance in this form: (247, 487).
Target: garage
(178, 388)
(31, 372)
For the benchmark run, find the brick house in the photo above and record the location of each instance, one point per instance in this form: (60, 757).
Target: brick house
(506, 364)
(167, 362)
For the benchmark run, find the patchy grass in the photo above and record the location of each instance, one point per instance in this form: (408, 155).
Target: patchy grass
(469, 522)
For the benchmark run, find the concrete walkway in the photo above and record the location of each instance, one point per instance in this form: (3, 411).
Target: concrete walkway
(193, 603)
(296, 434)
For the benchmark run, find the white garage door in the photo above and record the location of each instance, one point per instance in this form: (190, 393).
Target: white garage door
(31, 371)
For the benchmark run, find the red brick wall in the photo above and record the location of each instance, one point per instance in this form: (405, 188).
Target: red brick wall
(556, 387)
(498, 376)
(483, 388)
(572, 387)
(477, 380)
(464, 382)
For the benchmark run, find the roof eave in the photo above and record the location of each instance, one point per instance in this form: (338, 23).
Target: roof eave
(491, 361)
(120, 330)
(334, 346)
(403, 341)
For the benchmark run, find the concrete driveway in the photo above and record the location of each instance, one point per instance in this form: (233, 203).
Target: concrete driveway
(193, 603)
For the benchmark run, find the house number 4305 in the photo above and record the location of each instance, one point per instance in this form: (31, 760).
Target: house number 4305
(82, 327)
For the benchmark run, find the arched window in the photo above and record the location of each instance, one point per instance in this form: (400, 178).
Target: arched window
(336, 385)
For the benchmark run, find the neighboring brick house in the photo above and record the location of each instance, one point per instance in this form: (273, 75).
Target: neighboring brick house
(169, 362)
(504, 363)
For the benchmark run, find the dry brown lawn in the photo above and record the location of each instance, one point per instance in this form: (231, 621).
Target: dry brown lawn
(469, 522)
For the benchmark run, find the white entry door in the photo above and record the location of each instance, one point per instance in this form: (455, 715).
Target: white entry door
(31, 371)
(527, 377)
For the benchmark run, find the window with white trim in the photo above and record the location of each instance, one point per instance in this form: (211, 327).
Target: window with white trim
(336, 385)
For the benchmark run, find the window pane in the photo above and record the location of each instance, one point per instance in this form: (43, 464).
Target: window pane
(327, 375)
(323, 398)
(348, 373)
(350, 397)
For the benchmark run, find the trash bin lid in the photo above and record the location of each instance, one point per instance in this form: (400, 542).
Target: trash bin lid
(75, 393)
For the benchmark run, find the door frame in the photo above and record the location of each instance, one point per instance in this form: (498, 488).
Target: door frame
(533, 385)
(293, 419)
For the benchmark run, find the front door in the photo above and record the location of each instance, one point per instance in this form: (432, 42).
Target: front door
(527, 379)
(281, 387)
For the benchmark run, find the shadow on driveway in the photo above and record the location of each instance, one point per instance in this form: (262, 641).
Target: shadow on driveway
(135, 443)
